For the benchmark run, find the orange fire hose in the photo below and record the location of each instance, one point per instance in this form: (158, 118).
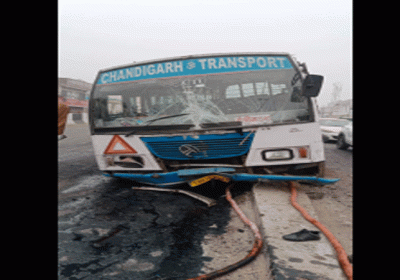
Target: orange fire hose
(341, 253)
(251, 256)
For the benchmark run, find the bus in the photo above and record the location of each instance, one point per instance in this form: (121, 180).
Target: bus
(194, 119)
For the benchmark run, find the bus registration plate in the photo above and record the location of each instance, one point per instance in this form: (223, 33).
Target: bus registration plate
(205, 179)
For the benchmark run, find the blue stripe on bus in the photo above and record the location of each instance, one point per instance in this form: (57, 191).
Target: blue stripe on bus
(199, 66)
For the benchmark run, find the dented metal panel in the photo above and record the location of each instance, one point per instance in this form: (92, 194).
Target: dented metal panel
(171, 178)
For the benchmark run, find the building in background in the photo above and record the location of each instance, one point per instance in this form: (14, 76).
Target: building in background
(76, 94)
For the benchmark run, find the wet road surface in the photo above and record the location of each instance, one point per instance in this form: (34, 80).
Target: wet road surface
(155, 236)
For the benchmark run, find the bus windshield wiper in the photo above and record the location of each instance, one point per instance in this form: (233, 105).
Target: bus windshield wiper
(166, 117)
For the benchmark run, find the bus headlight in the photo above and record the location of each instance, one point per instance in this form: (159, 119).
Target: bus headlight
(283, 154)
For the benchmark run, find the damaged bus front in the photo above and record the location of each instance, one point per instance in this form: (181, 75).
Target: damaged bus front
(189, 120)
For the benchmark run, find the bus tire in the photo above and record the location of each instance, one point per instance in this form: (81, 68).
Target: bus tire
(321, 169)
(341, 143)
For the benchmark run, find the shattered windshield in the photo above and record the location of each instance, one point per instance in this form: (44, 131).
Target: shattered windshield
(239, 90)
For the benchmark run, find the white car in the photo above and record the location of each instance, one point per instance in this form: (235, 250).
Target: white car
(345, 137)
(331, 128)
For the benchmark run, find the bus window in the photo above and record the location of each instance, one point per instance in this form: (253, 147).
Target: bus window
(153, 100)
(114, 104)
(262, 88)
(233, 91)
(248, 89)
(278, 88)
(201, 98)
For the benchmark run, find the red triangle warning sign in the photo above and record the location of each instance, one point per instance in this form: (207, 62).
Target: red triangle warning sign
(118, 145)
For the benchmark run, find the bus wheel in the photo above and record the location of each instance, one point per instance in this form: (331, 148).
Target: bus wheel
(341, 143)
(321, 169)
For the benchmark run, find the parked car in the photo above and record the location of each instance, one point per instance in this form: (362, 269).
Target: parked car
(331, 128)
(345, 138)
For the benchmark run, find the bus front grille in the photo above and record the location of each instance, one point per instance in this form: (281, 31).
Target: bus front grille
(200, 147)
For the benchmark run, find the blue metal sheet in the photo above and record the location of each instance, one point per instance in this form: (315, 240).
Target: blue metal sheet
(256, 178)
(204, 171)
(178, 177)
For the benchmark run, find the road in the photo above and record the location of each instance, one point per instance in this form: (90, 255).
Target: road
(109, 231)
(75, 156)
(106, 230)
(334, 203)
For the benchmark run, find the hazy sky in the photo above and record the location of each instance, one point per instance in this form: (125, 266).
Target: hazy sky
(97, 34)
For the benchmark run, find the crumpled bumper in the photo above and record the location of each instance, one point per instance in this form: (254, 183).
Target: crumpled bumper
(199, 176)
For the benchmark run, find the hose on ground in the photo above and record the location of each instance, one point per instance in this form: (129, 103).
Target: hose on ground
(341, 253)
(258, 243)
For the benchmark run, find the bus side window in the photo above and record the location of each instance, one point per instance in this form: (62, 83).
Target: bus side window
(262, 88)
(114, 104)
(248, 89)
(153, 100)
(232, 91)
(278, 89)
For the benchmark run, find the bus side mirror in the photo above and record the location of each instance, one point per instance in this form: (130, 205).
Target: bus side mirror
(312, 85)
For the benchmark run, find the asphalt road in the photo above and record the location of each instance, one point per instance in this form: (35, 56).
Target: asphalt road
(334, 203)
(75, 156)
(108, 231)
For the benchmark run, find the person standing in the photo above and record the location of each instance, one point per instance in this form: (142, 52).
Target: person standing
(63, 111)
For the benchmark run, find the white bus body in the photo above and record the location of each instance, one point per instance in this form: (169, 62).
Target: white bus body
(176, 120)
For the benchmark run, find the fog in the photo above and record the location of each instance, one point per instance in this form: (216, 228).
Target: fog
(94, 35)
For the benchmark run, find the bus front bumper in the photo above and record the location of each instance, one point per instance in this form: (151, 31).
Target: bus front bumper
(196, 177)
